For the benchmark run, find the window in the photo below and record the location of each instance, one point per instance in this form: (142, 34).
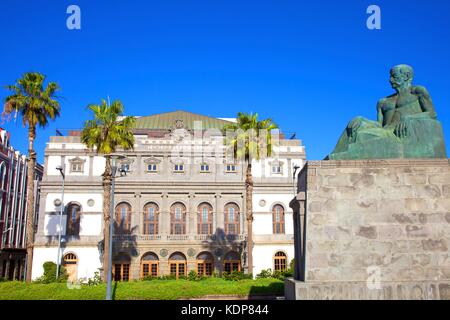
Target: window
(280, 261)
(205, 264)
(179, 168)
(3, 176)
(232, 262)
(276, 169)
(177, 264)
(121, 267)
(151, 219)
(73, 220)
(204, 167)
(123, 218)
(152, 167)
(178, 219)
(231, 168)
(77, 165)
(149, 265)
(231, 219)
(204, 219)
(125, 167)
(278, 219)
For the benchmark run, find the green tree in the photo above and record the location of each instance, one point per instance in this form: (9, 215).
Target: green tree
(250, 139)
(108, 132)
(36, 105)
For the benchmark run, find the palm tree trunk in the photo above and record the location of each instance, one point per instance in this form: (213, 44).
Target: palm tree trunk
(249, 215)
(106, 216)
(30, 201)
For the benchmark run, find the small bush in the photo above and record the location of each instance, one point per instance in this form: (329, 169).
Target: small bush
(49, 275)
(192, 276)
(95, 280)
(267, 273)
(236, 276)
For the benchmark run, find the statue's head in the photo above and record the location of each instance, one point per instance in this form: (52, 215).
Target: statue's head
(401, 76)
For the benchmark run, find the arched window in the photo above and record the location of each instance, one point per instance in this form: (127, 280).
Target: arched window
(178, 218)
(177, 264)
(278, 219)
(280, 261)
(231, 219)
(70, 262)
(205, 264)
(123, 218)
(73, 219)
(232, 262)
(149, 265)
(121, 267)
(205, 219)
(151, 219)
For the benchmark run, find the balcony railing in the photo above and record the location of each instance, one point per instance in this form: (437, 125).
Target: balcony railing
(179, 237)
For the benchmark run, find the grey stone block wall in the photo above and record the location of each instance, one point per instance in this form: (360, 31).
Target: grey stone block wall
(377, 221)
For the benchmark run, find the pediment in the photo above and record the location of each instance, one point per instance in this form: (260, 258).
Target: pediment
(152, 160)
(77, 160)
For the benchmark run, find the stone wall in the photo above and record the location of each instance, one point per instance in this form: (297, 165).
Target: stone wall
(377, 223)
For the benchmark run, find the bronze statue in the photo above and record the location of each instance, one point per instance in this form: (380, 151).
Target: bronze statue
(406, 126)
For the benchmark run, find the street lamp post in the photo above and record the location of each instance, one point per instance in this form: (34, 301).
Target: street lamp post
(113, 158)
(58, 260)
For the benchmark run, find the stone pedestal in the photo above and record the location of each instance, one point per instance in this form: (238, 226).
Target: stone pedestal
(372, 229)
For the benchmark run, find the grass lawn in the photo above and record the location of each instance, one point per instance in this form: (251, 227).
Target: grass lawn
(141, 290)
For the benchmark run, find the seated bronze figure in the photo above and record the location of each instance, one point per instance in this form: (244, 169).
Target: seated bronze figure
(406, 126)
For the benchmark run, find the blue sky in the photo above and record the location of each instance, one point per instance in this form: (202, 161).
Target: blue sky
(310, 65)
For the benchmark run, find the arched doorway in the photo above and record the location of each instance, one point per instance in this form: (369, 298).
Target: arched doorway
(121, 267)
(70, 263)
(149, 265)
(177, 264)
(232, 262)
(205, 263)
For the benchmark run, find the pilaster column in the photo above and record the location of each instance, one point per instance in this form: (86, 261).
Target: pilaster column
(91, 166)
(191, 215)
(137, 214)
(218, 221)
(164, 220)
(299, 217)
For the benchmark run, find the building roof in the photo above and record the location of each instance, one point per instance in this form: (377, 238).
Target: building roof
(178, 119)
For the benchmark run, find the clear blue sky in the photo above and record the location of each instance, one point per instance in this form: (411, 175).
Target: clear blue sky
(310, 65)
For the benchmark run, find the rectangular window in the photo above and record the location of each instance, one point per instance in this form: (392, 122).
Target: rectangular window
(276, 169)
(152, 168)
(204, 168)
(179, 168)
(77, 167)
(231, 168)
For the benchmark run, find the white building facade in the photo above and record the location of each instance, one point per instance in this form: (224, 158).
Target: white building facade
(180, 207)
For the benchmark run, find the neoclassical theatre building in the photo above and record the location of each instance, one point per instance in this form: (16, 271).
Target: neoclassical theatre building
(179, 207)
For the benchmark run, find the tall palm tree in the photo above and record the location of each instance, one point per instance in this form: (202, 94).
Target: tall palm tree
(252, 140)
(106, 133)
(35, 105)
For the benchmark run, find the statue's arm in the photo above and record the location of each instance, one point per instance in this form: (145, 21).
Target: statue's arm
(380, 105)
(425, 101)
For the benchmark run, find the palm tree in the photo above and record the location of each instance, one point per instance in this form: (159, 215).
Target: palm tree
(106, 133)
(35, 105)
(251, 139)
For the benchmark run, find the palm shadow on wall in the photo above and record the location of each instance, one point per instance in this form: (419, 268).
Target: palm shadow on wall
(220, 244)
(124, 242)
